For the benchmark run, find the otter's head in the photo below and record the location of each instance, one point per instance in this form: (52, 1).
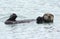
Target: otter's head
(48, 17)
(12, 17)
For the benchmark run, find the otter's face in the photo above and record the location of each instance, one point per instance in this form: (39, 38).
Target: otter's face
(48, 17)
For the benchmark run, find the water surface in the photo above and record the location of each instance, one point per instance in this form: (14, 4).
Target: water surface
(29, 9)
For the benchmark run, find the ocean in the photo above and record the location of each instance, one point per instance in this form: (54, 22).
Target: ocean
(29, 9)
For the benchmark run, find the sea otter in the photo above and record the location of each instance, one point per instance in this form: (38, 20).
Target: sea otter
(12, 20)
(47, 18)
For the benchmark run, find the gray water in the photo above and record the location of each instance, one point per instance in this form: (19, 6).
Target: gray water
(29, 9)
